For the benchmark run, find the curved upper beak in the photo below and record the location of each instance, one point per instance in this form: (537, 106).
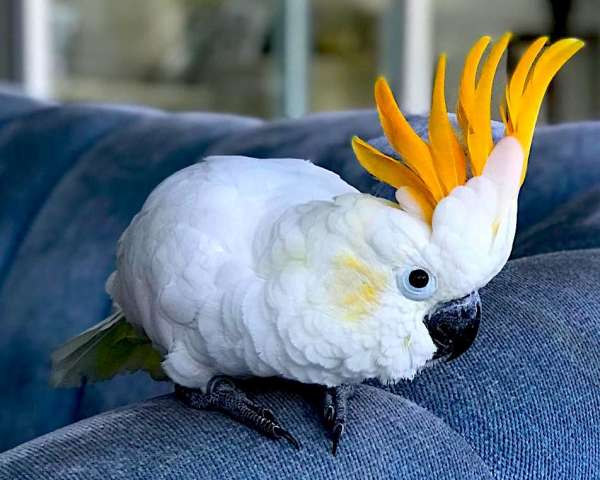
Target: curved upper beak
(453, 325)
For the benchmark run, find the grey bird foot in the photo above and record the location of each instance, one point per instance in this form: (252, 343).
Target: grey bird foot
(335, 411)
(223, 395)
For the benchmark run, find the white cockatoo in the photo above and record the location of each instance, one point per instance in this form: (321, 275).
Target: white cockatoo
(239, 267)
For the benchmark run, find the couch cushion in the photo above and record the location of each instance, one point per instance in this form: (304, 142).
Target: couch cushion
(564, 162)
(520, 404)
(59, 223)
(573, 226)
(14, 104)
(564, 159)
(322, 138)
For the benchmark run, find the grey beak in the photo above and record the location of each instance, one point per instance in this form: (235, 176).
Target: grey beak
(453, 325)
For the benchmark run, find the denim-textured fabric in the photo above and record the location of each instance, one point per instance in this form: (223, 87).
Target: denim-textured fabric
(387, 437)
(575, 225)
(72, 177)
(322, 138)
(522, 403)
(526, 396)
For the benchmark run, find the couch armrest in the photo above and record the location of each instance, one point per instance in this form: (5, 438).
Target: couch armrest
(526, 395)
(387, 437)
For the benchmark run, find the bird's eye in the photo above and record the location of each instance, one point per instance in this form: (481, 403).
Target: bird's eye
(416, 283)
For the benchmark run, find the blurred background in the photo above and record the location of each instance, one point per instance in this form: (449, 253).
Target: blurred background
(278, 58)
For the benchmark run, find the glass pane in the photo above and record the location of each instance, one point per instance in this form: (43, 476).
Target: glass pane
(345, 58)
(174, 54)
(576, 88)
(221, 55)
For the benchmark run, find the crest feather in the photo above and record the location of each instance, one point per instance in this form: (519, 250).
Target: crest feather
(479, 116)
(412, 148)
(525, 92)
(448, 156)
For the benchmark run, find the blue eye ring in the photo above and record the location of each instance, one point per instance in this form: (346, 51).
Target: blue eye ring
(416, 283)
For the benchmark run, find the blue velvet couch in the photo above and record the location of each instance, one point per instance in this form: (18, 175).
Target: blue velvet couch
(522, 403)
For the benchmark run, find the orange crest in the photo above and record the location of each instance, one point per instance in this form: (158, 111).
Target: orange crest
(431, 170)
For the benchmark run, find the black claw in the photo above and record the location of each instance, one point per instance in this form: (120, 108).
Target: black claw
(220, 382)
(328, 414)
(279, 432)
(335, 412)
(337, 435)
(268, 414)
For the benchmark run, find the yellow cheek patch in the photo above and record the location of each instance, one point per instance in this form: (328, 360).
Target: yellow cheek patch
(357, 287)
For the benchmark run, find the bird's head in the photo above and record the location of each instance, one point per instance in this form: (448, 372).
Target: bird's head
(457, 192)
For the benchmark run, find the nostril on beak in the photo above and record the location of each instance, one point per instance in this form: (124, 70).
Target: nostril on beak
(453, 325)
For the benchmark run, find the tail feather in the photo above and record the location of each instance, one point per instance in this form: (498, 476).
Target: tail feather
(111, 347)
(83, 339)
